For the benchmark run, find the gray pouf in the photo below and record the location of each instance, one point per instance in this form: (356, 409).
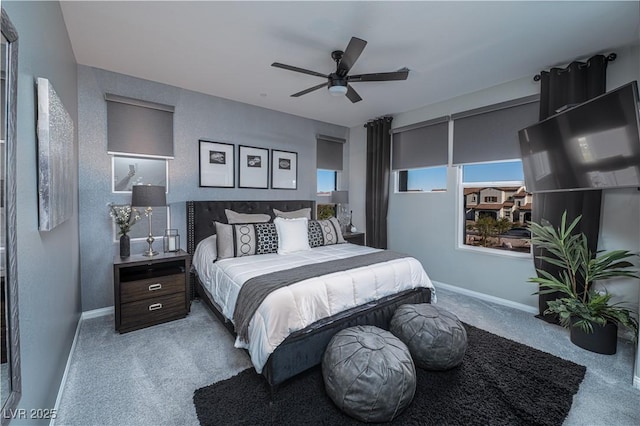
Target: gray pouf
(368, 373)
(436, 338)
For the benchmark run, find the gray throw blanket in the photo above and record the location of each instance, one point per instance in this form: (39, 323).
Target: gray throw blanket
(256, 289)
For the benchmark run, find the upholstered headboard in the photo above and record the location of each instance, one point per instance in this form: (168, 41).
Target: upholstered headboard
(201, 215)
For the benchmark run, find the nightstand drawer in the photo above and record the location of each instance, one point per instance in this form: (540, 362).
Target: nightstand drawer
(151, 287)
(354, 237)
(152, 311)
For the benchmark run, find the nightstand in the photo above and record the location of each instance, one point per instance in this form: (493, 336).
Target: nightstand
(150, 290)
(354, 237)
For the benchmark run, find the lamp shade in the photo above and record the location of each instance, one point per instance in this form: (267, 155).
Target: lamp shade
(340, 197)
(148, 196)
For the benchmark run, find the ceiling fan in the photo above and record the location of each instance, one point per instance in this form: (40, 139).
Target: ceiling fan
(338, 81)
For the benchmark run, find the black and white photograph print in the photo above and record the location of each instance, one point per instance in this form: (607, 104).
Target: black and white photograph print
(129, 171)
(217, 157)
(284, 164)
(254, 161)
(284, 169)
(253, 167)
(216, 164)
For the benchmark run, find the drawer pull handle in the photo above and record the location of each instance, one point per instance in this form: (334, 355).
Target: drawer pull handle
(154, 287)
(155, 306)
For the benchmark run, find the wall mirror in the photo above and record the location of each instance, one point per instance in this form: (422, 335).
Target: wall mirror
(10, 386)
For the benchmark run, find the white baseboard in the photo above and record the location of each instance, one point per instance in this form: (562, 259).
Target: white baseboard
(95, 313)
(486, 297)
(56, 406)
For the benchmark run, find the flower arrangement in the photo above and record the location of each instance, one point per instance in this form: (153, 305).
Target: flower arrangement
(124, 216)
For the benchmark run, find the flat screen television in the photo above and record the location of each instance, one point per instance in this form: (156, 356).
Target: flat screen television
(594, 145)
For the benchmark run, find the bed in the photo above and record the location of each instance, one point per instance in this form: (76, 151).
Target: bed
(301, 347)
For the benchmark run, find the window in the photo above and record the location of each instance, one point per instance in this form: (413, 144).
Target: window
(499, 221)
(420, 155)
(429, 179)
(328, 163)
(327, 181)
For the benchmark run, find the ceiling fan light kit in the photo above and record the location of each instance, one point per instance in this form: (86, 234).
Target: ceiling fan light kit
(337, 90)
(338, 81)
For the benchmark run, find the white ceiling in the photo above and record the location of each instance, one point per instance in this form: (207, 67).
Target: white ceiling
(225, 49)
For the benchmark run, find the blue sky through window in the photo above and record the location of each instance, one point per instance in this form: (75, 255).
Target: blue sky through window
(429, 179)
(493, 172)
(435, 178)
(326, 181)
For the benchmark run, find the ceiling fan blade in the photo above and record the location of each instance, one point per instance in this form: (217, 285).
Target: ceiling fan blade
(297, 69)
(353, 95)
(309, 90)
(380, 76)
(351, 55)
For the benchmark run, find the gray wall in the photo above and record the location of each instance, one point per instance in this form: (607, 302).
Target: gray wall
(424, 225)
(197, 116)
(48, 262)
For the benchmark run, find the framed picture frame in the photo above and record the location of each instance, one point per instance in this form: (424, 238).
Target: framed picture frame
(284, 169)
(216, 164)
(253, 167)
(55, 158)
(128, 171)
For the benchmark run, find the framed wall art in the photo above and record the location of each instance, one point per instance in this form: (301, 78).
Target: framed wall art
(284, 169)
(253, 167)
(55, 159)
(217, 164)
(129, 171)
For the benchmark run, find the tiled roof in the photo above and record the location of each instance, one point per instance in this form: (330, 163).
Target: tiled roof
(526, 206)
(488, 207)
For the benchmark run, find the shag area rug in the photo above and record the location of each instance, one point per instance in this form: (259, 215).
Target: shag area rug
(500, 382)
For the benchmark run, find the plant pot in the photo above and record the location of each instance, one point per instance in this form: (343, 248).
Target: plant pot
(603, 340)
(125, 246)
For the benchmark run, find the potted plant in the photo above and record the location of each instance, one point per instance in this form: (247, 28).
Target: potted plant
(592, 319)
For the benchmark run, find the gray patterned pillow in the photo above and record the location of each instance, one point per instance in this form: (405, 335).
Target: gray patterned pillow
(325, 232)
(246, 239)
(242, 218)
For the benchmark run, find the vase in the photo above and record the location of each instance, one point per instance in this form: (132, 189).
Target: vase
(125, 246)
(603, 340)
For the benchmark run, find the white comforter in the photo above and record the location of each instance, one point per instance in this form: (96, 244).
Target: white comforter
(295, 307)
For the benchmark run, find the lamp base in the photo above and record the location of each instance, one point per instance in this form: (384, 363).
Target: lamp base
(150, 253)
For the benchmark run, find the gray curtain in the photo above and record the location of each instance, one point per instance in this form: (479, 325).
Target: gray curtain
(577, 83)
(378, 173)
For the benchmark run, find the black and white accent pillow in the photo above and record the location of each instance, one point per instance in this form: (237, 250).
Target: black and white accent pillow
(267, 238)
(325, 232)
(315, 234)
(246, 239)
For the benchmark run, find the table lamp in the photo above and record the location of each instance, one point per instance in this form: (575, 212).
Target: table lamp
(340, 198)
(148, 196)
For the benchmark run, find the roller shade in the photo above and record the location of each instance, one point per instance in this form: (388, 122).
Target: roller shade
(491, 133)
(421, 145)
(329, 152)
(139, 127)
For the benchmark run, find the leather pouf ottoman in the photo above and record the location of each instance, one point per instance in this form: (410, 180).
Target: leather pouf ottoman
(436, 338)
(368, 373)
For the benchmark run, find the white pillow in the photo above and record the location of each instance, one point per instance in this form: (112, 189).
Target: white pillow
(292, 234)
(306, 212)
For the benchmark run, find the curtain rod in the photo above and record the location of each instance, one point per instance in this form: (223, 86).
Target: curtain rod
(610, 58)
